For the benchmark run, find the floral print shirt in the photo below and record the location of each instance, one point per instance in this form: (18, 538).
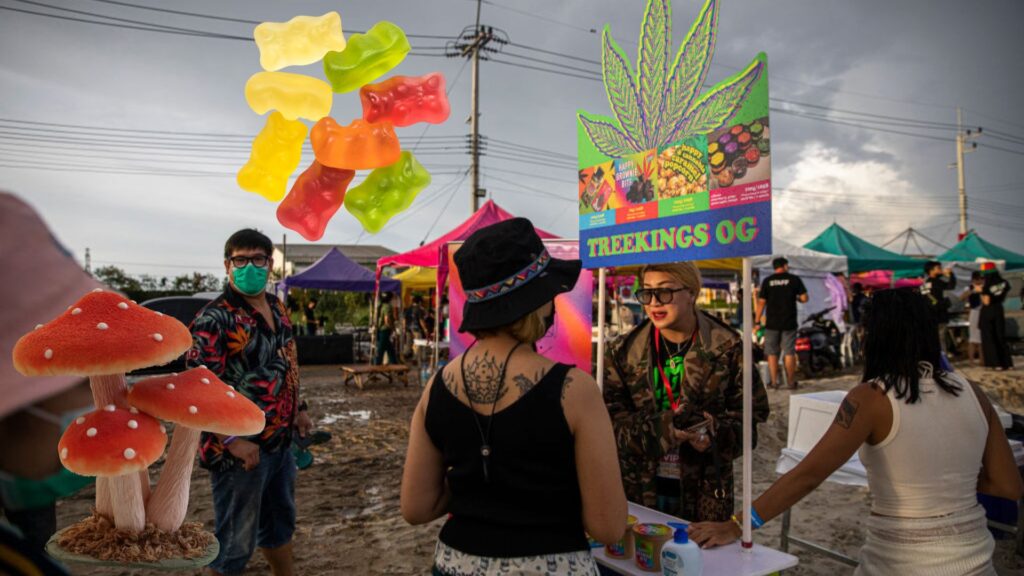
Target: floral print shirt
(235, 342)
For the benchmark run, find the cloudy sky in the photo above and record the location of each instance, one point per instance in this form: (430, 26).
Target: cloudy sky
(127, 140)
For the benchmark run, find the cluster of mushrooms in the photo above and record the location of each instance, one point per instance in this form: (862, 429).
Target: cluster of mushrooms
(103, 336)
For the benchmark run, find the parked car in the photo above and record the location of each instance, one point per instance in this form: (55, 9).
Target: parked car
(182, 308)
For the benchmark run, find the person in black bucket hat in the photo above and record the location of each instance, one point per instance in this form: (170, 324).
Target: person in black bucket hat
(518, 450)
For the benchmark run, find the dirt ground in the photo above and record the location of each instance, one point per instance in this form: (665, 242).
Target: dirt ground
(348, 511)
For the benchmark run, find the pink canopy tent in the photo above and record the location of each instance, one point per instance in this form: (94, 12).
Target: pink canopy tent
(435, 253)
(882, 279)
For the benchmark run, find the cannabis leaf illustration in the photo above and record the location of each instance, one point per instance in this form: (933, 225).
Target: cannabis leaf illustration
(661, 103)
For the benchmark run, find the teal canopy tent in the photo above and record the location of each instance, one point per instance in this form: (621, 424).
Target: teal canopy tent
(862, 255)
(973, 247)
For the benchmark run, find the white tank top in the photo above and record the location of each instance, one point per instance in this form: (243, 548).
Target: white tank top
(928, 465)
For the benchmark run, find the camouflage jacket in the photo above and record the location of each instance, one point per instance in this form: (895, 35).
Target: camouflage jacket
(713, 382)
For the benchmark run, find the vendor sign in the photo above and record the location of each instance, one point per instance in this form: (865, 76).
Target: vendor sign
(677, 173)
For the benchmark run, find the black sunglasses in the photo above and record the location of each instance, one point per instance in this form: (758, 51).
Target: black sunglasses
(663, 295)
(241, 261)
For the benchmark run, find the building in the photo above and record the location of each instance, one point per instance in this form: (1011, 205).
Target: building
(298, 257)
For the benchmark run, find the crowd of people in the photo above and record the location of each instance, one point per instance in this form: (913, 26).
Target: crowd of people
(523, 456)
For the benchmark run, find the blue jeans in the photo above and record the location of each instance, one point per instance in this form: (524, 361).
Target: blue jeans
(254, 508)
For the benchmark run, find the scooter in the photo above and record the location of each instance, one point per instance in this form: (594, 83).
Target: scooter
(818, 343)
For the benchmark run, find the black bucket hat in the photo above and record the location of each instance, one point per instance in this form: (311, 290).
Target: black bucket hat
(507, 273)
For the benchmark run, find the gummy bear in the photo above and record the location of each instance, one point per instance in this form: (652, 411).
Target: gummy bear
(366, 57)
(404, 100)
(293, 95)
(276, 153)
(358, 146)
(314, 198)
(299, 41)
(387, 191)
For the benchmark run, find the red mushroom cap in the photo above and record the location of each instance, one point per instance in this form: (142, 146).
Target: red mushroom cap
(198, 399)
(111, 441)
(102, 333)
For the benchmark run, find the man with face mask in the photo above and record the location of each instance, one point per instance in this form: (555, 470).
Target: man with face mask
(246, 338)
(34, 411)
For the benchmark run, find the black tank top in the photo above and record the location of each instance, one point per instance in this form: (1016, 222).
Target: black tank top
(531, 506)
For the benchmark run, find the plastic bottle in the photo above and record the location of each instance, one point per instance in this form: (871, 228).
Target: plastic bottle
(680, 557)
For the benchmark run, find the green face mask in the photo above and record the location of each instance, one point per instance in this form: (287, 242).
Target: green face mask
(249, 279)
(22, 493)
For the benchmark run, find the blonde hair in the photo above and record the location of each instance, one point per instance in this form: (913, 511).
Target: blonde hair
(527, 329)
(686, 273)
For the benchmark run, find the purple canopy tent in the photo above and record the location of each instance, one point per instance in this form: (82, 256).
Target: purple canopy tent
(334, 271)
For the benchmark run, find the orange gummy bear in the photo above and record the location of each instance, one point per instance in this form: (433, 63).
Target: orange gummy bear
(358, 146)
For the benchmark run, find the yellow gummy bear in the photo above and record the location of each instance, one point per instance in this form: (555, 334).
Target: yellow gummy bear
(293, 95)
(276, 153)
(299, 41)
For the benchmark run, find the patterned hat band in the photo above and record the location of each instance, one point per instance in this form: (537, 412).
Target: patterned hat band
(517, 280)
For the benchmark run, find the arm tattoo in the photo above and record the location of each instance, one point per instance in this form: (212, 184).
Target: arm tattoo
(450, 382)
(482, 384)
(525, 383)
(565, 385)
(847, 411)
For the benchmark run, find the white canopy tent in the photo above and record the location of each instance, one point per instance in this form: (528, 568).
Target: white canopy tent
(817, 270)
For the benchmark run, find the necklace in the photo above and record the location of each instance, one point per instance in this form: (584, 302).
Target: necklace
(485, 439)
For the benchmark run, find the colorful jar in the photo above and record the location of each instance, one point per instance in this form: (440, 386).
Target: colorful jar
(624, 547)
(649, 538)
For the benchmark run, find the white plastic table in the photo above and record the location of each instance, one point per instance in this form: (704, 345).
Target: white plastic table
(729, 560)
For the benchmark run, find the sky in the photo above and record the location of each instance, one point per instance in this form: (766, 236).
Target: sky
(127, 141)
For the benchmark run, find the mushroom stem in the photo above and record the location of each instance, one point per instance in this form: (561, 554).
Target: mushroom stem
(129, 509)
(107, 389)
(168, 504)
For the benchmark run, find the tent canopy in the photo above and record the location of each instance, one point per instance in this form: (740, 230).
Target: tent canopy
(428, 255)
(862, 255)
(334, 271)
(801, 258)
(417, 278)
(973, 247)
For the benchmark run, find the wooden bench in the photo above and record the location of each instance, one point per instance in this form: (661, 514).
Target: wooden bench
(362, 373)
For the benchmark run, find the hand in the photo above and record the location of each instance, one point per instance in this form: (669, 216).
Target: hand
(712, 534)
(303, 423)
(247, 452)
(700, 441)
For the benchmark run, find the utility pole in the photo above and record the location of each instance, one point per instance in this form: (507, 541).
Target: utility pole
(88, 262)
(471, 42)
(962, 137)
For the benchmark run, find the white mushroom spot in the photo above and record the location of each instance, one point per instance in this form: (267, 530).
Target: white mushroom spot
(129, 453)
(80, 420)
(170, 386)
(63, 453)
(76, 311)
(133, 424)
(158, 337)
(163, 429)
(231, 394)
(110, 407)
(193, 410)
(122, 305)
(48, 354)
(203, 366)
(98, 290)
(204, 380)
(38, 326)
(102, 326)
(133, 410)
(90, 432)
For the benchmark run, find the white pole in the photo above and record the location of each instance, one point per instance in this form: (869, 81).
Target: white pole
(748, 403)
(600, 327)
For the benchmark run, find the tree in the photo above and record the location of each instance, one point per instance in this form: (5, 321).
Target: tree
(118, 279)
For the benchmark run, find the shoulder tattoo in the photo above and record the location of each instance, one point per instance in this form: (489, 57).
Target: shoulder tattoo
(482, 379)
(847, 412)
(525, 382)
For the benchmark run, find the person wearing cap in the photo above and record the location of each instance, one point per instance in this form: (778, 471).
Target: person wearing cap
(995, 350)
(776, 304)
(246, 338)
(937, 280)
(34, 411)
(674, 388)
(516, 449)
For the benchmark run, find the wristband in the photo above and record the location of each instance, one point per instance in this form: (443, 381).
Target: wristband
(755, 519)
(228, 440)
(737, 522)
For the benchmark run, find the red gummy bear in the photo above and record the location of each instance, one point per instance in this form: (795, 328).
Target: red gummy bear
(404, 100)
(359, 146)
(314, 198)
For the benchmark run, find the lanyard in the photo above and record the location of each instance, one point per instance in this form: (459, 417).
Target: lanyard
(661, 368)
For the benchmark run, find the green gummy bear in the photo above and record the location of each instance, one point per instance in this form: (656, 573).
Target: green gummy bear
(366, 57)
(386, 192)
